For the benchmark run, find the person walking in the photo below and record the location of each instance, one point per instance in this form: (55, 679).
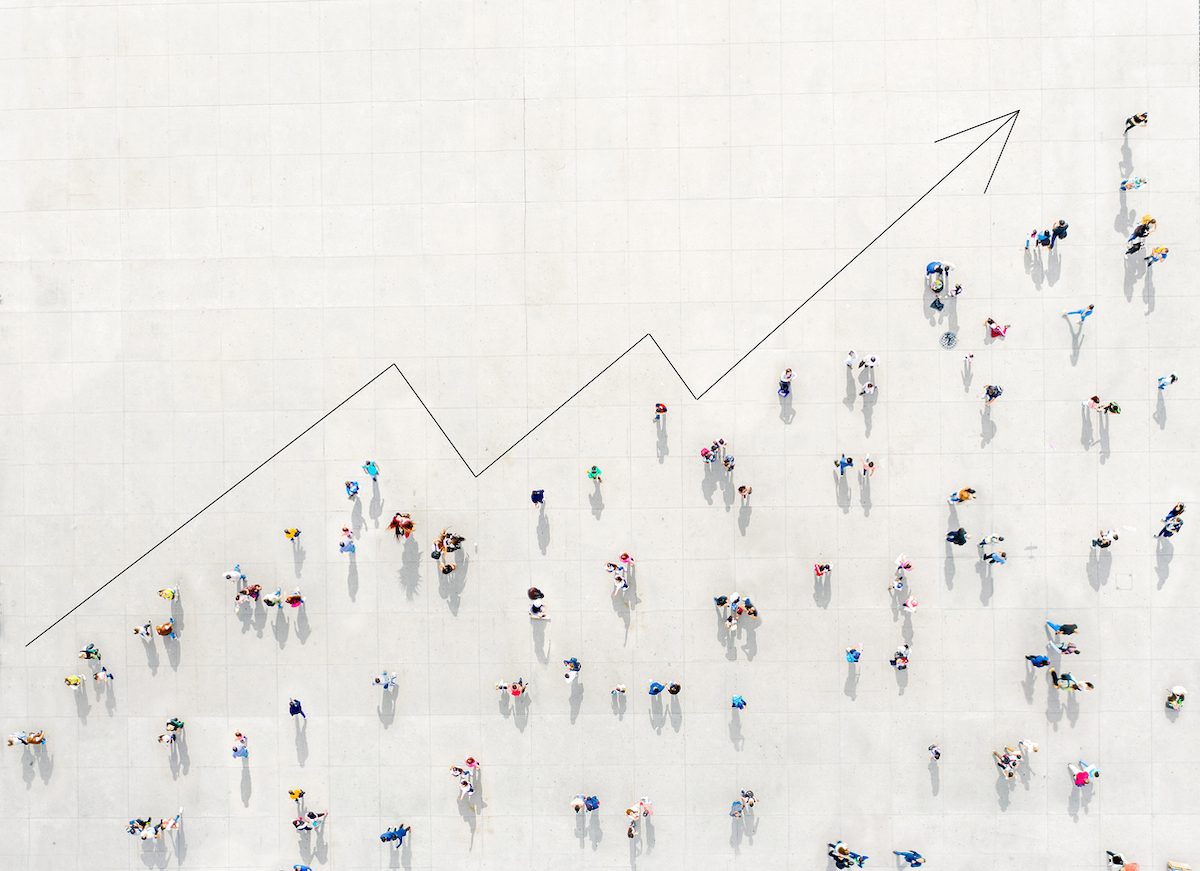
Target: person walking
(371, 469)
(239, 746)
(966, 494)
(1175, 698)
(745, 490)
(1144, 228)
(899, 659)
(912, 857)
(1038, 660)
(1141, 119)
(935, 752)
(738, 702)
(166, 630)
(993, 392)
(656, 688)
(594, 475)
(351, 490)
(1039, 238)
(1133, 183)
(1058, 231)
(294, 708)
(291, 534)
(869, 362)
(843, 464)
(1063, 628)
(854, 654)
(659, 410)
(851, 359)
(1084, 313)
(538, 497)
(1174, 512)
(996, 556)
(573, 667)
(402, 525)
(1171, 527)
(1166, 381)
(995, 330)
(958, 536)
(785, 383)
(1156, 254)
(1105, 538)
(868, 389)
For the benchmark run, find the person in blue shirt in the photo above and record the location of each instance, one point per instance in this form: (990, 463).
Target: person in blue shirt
(1038, 660)
(738, 702)
(853, 654)
(351, 489)
(912, 857)
(371, 469)
(656, 688)
(294, 708)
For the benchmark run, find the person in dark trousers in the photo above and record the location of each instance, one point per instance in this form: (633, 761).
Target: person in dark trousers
(1038, 660)
(958, 536)
(1141, 119)
(1058, 231)
(294, 708)
(912, 857)
(1063, 628)
(538, 497)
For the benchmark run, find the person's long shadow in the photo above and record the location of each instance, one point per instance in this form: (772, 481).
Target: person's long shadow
(901, 679)
(618, 705)
(83, 705)
(735, 730)
(151, 650)
(822, 590)
(1072, 709)
(581, 821)
(935, 782)
(595, 834)
(987, 426)
(409, 573)
(1125, 167)
(597, 501)
(281, 628)
(622, 607)
(648, 830)
(1133, 271)
(1148, 290)
(658, 715)
(675, 712)
(750, 648)
(744, 517)
(298, 554)
(851, 389)
(842, 486)
(661, 448)
(735, 832)
(467, 812)
(543, 529)
(868, 410)
(864, 494)
(1054, 268)
(851, 687)
(576, 699)
(1086, 438)
(303, 630)
(302, 740)
(948, 566)
(708, 484)
(1164, 551)
(1034, 268)
(1076, 341)
(1098, 567)
(1125, 218)
(352, 577)
(967, 376)
(1054, 708)
(356, 517)
(520, 711)
(727, 490)
(246, 784)
(786, 413)
(375, 509)
(386, 709)
(539, 641)
(984, 569)
(1105, 450)
(1029, 683)
(450, 587)
(1160, 411)
(173, 651)
(179, 759)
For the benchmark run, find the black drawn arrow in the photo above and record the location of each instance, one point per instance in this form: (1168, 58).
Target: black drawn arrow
(1008, 120)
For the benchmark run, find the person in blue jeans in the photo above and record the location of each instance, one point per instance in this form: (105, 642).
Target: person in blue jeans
(738, 702)
(853, 654)
(371, 469)
(1058, 231)
(843, 464)
(912, 857)
(591, 803)
(656, 688)
(1038, 660)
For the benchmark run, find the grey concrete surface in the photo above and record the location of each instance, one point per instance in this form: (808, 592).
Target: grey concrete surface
(217, 221)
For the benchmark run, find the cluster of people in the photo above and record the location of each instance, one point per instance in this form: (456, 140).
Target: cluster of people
(620, 571)
(146, 829)
(465, 776)
(446, 543)
(1011, 758)
(396, 835)
(27, 738)
(743, 804)
(517, 688)
(734, 606)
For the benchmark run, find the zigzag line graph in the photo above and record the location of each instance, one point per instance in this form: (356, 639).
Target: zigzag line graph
(1008, 120)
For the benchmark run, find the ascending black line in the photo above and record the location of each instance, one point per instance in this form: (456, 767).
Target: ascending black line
(1011, 115)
